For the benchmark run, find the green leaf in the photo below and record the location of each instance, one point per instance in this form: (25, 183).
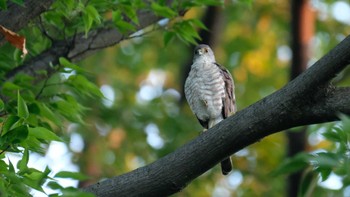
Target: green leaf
(11, 168)
(9, 86)
(332, 136)
(47, 113)
(309, 180)
(130, 12)
(325, 172)
(22, 109)
(73, 175)
(84, 86)
(2, 105)
(213, 2)
(19, 2)
(122, 26)
(90, 15)
(290, 165)
(3, 4)
(168, 36)
(16, 135)
(198, 23)
(22, 164)
(54, 185)
(93, 13)
(33, 179)
(87, 23)
(325, 160)
(9, 122)
(67, 64)
(69, 108)
(43, 133)
(163, 10)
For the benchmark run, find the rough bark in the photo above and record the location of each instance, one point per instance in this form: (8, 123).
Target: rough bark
(308, 99)
(16, 16)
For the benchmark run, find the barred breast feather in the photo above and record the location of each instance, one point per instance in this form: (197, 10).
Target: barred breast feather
(205, 92)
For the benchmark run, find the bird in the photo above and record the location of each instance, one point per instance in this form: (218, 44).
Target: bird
(209, 91)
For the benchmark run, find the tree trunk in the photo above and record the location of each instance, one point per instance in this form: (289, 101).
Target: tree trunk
(302, 30)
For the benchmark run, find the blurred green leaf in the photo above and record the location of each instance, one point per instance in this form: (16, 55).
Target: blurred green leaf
(22, 164)
(163, 10)
(9, 122)
(2, 105)
(130, 12)
(122, 26)
(93, 13)
(67, 64)
(22, 109)
(19, 2)
(308, 183)
(16, 135)
(84, 86)
(69, 107)
(3, 4)
(294, 164)
(43, 133)
(47, 113)
(35, 178)
(168, 36)
(54, 185)
(72, 175)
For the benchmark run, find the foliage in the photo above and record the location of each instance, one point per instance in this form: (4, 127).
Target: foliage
(146, 117)
(320, 164)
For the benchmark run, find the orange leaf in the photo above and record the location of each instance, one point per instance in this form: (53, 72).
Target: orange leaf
(15, 39)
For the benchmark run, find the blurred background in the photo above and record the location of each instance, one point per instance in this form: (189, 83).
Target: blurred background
(145, 116)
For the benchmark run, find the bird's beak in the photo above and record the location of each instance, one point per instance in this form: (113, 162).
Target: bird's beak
(200, 51)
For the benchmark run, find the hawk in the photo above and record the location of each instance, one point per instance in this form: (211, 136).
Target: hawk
(209, 90)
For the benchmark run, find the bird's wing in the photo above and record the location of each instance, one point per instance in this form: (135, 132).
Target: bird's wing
(229, 101)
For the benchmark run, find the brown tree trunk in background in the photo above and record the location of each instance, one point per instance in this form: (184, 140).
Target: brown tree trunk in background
(212, 19)
(302, 30)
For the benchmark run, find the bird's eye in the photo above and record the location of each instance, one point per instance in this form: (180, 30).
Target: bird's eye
(206, 50)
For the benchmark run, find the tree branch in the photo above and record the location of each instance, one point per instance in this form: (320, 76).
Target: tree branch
(80, 46)
(16, 17)
(316, 102)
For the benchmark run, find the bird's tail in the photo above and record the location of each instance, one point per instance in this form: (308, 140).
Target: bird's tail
(226, 166)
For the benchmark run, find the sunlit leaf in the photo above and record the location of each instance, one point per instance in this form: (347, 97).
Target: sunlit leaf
(163, 10)
(72, 175)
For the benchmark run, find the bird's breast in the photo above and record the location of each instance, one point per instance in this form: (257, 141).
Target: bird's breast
(204, 90)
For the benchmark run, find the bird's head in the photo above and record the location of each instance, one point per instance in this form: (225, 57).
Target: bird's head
(203, 52)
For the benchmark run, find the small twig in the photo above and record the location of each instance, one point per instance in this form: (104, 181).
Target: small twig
(41, 89)
(43, 31)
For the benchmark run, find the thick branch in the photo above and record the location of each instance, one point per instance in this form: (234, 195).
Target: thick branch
(16, 17)
(276, 112)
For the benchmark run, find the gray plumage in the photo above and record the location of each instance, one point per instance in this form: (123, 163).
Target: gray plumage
(209, 90)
